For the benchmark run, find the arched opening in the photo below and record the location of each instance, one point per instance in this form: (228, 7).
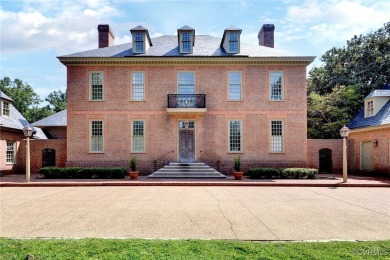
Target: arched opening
(48, 157)
(325, 158)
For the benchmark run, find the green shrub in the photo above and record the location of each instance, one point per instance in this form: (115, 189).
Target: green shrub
(280, 173)
(83, 173)
(237, 164)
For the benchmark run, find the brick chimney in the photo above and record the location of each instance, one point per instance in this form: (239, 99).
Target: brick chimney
(266, 35)
(106, 37)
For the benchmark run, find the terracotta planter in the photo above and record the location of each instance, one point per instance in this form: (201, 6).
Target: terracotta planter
(238, 175)
(133, 175)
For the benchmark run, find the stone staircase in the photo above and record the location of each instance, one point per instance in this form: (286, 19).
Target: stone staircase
(187, 171)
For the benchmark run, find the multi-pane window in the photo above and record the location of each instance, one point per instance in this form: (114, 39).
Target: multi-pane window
(234, 85)
(276, 85)
(139, 42)
(6, 109)
(96, 86)
(370, 108)
(277, 136)
(96, 138)
(235, 136)
(138, 136)
(186, 83)
(10, 154)
(137, 86)
(233, 42)
(186, 42)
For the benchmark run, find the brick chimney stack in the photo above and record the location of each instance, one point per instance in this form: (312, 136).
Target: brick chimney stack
(106, 36)
(266, 35)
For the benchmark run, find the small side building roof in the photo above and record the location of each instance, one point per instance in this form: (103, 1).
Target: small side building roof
(58, 119)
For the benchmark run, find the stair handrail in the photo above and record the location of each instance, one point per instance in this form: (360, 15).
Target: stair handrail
(155, 161)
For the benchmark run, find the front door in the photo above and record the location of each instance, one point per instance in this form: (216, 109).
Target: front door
(366, 156)
(186, 142)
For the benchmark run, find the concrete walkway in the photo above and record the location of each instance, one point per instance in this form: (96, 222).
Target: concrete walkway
(245, 213)
(322, 180)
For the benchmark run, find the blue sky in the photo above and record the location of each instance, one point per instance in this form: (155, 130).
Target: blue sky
(35, 32)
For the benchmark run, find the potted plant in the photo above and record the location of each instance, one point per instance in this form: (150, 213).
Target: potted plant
(237, 168)
(133, 167)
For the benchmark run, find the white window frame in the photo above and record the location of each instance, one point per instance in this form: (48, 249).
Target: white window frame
(232, 41)
(133, 150)
(5, 109)
(229, 85)
(187, 41)
(132, 86)
(370, 108)
(271, 136)
(282, 97)
(90, 86)
(241, 136)
(178, 81)
(13, 152)
(90, 136)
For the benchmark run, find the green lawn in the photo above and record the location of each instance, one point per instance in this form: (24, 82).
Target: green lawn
(188, 249)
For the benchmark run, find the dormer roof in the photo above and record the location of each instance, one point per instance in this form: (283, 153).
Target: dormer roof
(4, 96)
(140, 28)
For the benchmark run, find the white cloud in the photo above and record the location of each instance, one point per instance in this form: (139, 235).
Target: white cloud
(304, 13)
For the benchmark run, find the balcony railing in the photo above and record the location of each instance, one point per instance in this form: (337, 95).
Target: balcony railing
(186, 100)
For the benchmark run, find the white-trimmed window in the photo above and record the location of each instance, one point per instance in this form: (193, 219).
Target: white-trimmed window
(138, 86)
(276, 85)
(186, 42)
(277, 136)
(370, 108)
(233, 42)
(96, 136)
(96, 88)
(138, 136)
(10, 154)
(235, 136)
(139, 42)
(6, 111)
(186, 82)
(234, 85)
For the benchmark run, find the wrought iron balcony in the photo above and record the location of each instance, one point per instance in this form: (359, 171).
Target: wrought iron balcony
(186, 100)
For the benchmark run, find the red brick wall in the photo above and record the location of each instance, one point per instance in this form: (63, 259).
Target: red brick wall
(15, 136)
(380, 154)
(211, 136)
(314, 146)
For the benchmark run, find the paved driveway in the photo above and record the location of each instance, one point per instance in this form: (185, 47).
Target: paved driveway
(249, 213)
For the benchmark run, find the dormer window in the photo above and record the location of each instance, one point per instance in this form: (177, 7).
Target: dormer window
(370, 108)
(186, 37)
(141, 40)
(231, 40)
(6, 111)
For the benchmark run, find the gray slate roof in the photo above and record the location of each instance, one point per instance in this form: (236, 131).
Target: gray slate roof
(166, 46)
(58, 119)
(4, 96)
(381, 118)
(186, 27)
(383, 92)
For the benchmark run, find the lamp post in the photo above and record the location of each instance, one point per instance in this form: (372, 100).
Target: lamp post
(27, 131)
(344, 131)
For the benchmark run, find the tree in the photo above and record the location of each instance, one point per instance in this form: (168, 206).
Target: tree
(57, 101)
(36, 113)
(22, 94)
(336, 89)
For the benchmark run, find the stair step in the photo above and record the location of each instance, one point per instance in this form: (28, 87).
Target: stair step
(187, 170)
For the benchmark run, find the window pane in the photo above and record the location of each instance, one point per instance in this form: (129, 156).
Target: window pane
(5, 109)
(139, 46)
(138, 86)
(186, 46)
(96, 86)
(139, 36)
(138, 137)
(235, 136)
(370, 108)
(276, 136)
(186, 36)
(276, 85)
(233, 46)
(233, 37)
(10, 154)
(186, 83)
(97, 136)
(234, 86)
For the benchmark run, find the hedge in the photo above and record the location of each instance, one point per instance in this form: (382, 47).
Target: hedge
(280, 173)
(83, 173)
